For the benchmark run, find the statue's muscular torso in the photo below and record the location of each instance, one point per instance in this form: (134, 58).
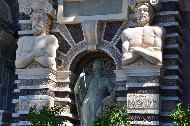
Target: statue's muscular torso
(143, 36)
(37, 48)
(144, 42)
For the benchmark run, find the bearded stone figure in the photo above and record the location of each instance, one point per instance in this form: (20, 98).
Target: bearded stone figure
(41, 47)
(92, 92)
(145, 41)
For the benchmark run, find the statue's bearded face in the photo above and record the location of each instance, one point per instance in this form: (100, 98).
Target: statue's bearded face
(144, 14)
(38, 24)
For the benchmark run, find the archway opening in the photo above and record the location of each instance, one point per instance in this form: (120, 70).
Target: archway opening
(84, 61)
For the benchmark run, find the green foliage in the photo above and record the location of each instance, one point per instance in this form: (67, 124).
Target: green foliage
(181, 116)
(43, 117)
(112, 117)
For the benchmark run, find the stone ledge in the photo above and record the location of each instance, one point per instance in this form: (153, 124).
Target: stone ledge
(154, 123)
(174, 67)
(66, 114)
(168, 13)
(15, 115)
(142, 84)
(34, 97)
(171, 88)
(173, 77)
(171, 99)
(174, 56)
(167, 124)
(171, 24)
(65, 100)
(16, 91)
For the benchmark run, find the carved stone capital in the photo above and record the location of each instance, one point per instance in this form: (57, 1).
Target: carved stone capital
(155, 3)
(27, 6)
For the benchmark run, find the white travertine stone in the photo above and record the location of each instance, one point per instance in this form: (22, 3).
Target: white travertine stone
(36, 73)
(142, 84)
(64, 90)
(40, 48)
(154, 123)
(16, 91)
(26, 104)
(155, 3)
(15, 101)
(25, 123)
(66, 76)
(90, 32)
(143, 103)
(15, 115)
(17, 81)
(27, 6)
(34, 87)
(34, 97)
(143, 70)
(75, 11)
(65, 100)
(145, 41)
(120, 75)
(68, 115)
(121, 99)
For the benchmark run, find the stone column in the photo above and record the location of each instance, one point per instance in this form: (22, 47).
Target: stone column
(142, 83)
(34, 88)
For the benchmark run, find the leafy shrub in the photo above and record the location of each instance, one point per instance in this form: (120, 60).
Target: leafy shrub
(43, 117)
(181, 116)
(112, 117)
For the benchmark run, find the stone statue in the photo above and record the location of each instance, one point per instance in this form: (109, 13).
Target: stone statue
(90, 92)
(41, 47)
(144, 41)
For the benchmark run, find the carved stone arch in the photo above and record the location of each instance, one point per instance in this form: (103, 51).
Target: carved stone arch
(84, 60)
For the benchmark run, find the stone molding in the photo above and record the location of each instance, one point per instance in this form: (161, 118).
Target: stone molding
(123, 15)
(32, 74)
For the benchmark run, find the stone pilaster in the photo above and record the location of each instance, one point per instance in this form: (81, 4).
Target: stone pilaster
(34, 88)
(45, 87)
(65, 98)
(141, 84)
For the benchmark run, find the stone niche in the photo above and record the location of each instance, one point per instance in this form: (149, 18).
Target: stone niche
(75, 11)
